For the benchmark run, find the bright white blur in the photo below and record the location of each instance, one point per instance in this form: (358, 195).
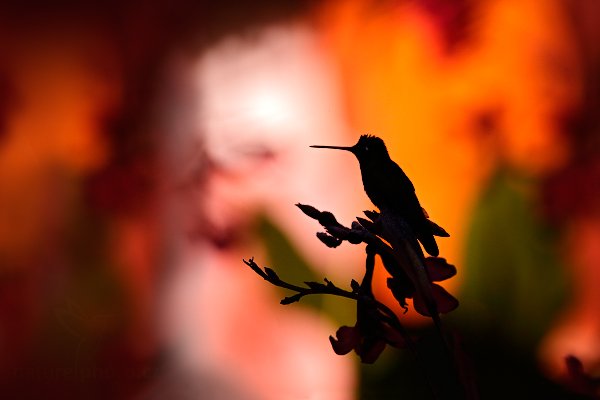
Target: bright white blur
(260, 102)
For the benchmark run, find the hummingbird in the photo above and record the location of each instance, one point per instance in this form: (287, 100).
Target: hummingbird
(391, 190)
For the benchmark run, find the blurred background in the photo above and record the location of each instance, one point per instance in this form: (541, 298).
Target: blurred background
(146, 148)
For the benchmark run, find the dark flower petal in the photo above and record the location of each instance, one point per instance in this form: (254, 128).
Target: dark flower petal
(372, 215)
(327, 219)
(391, 265)
(329, 240)
(574, 365)
(370, 350)
(420, 306)
(401, 290)
(444, 301)
(354, 238)
(309, 210)
(393, 337)
(347, 339)
(438, 269)
(339, 232)
(579, 380)
(368, 225)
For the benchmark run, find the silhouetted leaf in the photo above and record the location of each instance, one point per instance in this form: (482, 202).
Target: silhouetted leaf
(355, 286)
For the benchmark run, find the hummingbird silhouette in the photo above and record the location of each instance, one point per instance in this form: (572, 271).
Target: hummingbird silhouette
(391, 190)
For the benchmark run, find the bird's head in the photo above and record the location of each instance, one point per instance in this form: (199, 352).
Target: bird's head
(367, 148)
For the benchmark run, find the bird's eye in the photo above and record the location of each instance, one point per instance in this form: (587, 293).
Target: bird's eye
(366, 148)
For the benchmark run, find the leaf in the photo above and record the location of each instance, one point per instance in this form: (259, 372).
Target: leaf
(355, 286)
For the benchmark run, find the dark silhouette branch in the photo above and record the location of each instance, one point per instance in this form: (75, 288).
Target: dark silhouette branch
(412, 276)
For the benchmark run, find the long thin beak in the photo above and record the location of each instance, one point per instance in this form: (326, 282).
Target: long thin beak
(351, 149)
